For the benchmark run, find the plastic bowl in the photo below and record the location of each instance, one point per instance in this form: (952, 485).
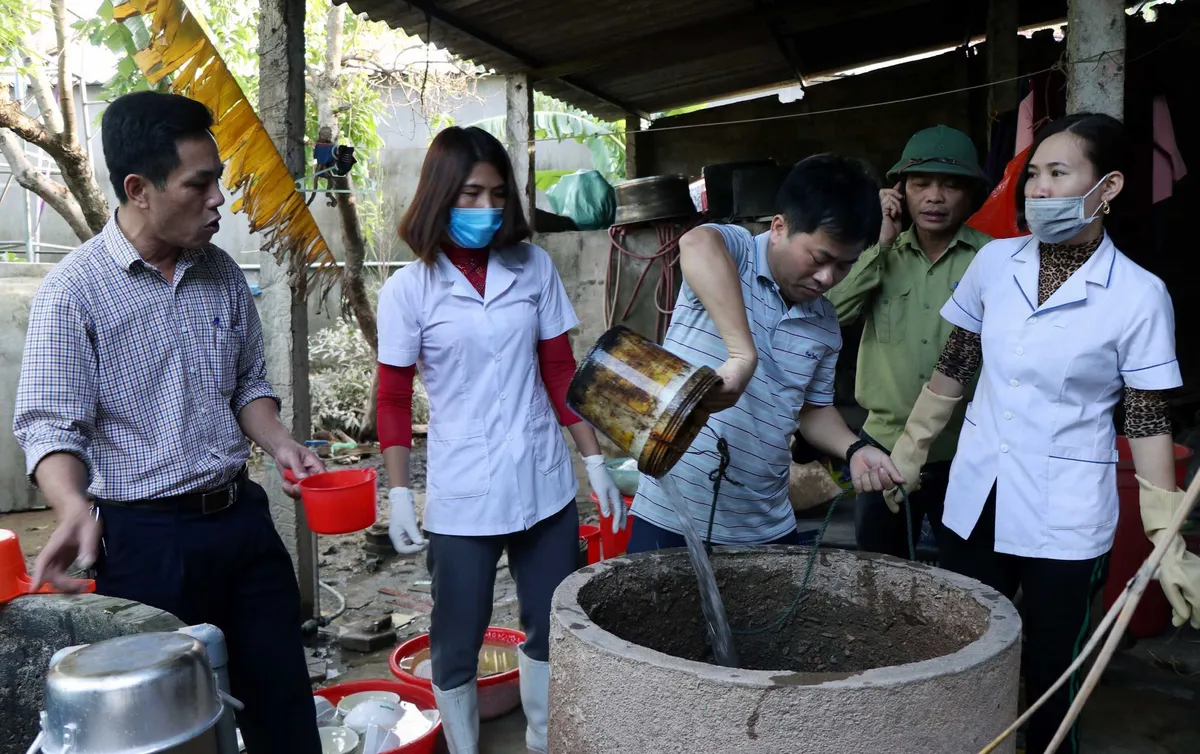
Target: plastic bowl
(422, 698)
(498, 694)
(625, 474)
(339, 502)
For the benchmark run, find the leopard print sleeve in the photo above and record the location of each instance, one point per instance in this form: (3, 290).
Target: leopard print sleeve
(961, 356)
(1146, 413)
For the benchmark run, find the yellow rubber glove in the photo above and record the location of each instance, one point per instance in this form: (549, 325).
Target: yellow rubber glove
(928, 418)
(1179, 571)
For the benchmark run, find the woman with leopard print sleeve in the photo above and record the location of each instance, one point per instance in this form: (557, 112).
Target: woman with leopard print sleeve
(1063, 323)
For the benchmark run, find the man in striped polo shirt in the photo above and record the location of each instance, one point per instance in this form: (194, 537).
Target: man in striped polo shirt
(753, 309)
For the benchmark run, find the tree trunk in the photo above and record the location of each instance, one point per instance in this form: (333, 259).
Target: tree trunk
(77, 174)
(39, 87)
(335, 21)
(369, 431)
(74, 163)
(354, 286)
(66, 83)
(55, 135)
(355, 300)
(56, 195)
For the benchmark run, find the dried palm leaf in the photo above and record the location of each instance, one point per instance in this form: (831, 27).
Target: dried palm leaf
(181, 44)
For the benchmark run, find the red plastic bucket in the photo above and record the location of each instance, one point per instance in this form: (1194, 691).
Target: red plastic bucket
(591, 535)
(339, 502)
(1131, 547)
(499, 694)
(614, 544)
(422, 698)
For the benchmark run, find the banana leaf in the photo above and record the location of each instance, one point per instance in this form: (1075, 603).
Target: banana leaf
(180, 45)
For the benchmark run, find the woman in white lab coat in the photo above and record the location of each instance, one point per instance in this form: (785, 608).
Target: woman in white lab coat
(1064, 325)
(484, 316)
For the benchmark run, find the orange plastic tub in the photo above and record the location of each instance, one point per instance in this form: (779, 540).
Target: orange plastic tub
(499, 694)
(339, 502)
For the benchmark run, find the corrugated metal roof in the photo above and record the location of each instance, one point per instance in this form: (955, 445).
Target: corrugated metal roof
(645, 56)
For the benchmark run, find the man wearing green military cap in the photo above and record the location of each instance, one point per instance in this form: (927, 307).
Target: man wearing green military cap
(897, 289)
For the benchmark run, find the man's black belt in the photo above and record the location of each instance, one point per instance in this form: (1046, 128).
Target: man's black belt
(212, 501)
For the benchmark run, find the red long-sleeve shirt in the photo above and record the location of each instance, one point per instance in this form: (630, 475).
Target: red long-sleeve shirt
(556, 365)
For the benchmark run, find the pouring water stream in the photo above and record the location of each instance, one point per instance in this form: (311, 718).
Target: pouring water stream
(719, 631)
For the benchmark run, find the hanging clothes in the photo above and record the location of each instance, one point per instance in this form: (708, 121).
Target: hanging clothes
(1025, 121)
(1000, 149)
(1168, 165)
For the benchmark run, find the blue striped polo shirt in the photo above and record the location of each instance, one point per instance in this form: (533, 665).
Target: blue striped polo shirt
(797, 352)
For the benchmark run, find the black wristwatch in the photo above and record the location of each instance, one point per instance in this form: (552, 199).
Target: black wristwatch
(855, 448)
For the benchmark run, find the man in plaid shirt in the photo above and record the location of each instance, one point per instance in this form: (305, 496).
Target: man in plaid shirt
(143, 376)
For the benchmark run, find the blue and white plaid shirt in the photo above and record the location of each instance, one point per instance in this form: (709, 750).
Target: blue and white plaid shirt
(140, 378)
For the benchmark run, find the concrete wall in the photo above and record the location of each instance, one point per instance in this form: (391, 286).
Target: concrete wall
(18, 284)
(32, 629)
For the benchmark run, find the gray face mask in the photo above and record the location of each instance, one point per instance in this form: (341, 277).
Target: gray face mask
(1055, 219)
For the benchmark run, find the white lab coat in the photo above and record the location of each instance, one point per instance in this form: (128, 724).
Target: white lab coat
(1041, 426)
(497, 462)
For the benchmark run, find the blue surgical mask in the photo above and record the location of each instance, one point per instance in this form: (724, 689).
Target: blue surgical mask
(1058, 218)
(474, 228)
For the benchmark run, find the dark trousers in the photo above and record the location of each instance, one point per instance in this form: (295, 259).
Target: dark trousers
(464, 578)
(229, 569)
(877, 529)
(646, 537)
(1056, 606)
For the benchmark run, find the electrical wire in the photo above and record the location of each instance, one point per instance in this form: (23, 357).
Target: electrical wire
(667, 256)
(1058, 66)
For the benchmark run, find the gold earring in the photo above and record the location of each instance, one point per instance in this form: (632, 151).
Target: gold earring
(1105, 207)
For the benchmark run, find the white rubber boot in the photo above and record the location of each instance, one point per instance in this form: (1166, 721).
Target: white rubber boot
(459, 709)
(535, 699)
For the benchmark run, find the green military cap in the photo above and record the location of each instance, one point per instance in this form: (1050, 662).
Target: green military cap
(939, 149)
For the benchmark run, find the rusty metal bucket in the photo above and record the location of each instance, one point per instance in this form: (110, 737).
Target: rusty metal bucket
(642, 397)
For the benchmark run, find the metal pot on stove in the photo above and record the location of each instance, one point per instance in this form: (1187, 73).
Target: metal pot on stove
(141, 694)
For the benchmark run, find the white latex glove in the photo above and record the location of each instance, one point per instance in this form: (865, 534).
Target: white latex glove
(611, 502)
(402, 527)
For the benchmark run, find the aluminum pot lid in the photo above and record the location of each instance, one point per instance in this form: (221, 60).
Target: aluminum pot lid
(133, 694)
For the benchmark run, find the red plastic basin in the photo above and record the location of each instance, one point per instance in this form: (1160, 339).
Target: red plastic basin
(339, 502)
(611, 544)
(1131, 547)
(591, 535)
(422, 698)
(498, 694)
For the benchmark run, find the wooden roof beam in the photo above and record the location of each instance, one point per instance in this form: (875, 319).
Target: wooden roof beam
(686, 41)
(446, 18)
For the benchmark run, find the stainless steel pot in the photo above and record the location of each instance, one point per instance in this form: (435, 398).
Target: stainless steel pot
(142, 694)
